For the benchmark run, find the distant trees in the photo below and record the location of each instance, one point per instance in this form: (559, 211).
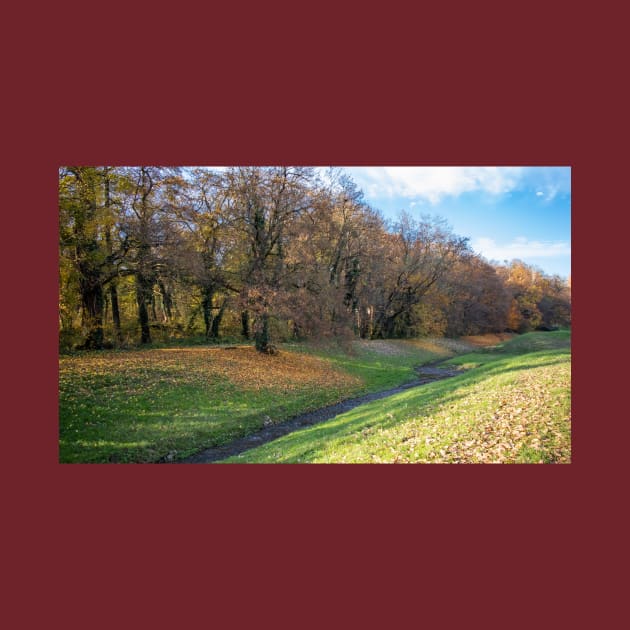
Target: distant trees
(536, 300)
(271, 253)
(418, 255)
(476, 300)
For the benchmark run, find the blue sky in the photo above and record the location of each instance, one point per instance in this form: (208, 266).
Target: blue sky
(506, 212)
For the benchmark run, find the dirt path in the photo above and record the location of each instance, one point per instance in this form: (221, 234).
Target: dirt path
(426, 374)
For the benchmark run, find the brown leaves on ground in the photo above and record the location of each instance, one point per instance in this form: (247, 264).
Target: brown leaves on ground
(241, 366)
(528, 421)
(490, 339)
(441, 347)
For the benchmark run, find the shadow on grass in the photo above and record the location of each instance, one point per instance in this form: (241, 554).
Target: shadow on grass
(348, 426)
(150, 437)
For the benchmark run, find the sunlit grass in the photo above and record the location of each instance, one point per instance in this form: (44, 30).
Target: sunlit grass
(144, 405)
(141, 406)
(382, 364)
(513, 406)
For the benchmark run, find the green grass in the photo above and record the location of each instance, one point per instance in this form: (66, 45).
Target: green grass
(109, 426)
(511, 406)
(141, 406)
(384, 364)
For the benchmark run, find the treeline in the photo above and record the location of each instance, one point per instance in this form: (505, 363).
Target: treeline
(271, 253)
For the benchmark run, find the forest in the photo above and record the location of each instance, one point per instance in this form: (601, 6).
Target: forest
(150, 254)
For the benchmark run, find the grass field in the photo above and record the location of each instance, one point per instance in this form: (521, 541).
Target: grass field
(512, 405)
(145, 405)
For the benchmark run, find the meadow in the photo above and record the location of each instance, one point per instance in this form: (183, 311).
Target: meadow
(511, 404)
(151, 404)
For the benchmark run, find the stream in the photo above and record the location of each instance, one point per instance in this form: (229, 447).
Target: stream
(426, 374)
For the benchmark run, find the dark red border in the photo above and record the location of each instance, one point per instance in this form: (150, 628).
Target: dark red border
(140, 546)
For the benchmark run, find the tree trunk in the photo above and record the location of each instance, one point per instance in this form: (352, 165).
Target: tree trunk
(206, 306)
(92, 309)
(245, 323)
(113, 290)
(297, 333)
(167, 302)
(143, 296)
(216, 322)
(262, 338)
(113, 294)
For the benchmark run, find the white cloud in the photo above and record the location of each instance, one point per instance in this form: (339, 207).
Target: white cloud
(433, 183)
(520, 247)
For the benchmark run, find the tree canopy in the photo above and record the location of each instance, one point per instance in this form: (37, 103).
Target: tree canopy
(271, 254)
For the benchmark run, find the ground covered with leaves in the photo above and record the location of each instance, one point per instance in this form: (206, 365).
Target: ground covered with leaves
(148, 405)
(511, 405)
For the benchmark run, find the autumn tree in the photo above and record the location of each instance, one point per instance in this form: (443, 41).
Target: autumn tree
(262, 203)
(86, 219)
(419, 254)
(273, 251)
(146, 230)
(555, 302)
(204, 218)
(477, 301)
(537, 300)
(331, 247)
